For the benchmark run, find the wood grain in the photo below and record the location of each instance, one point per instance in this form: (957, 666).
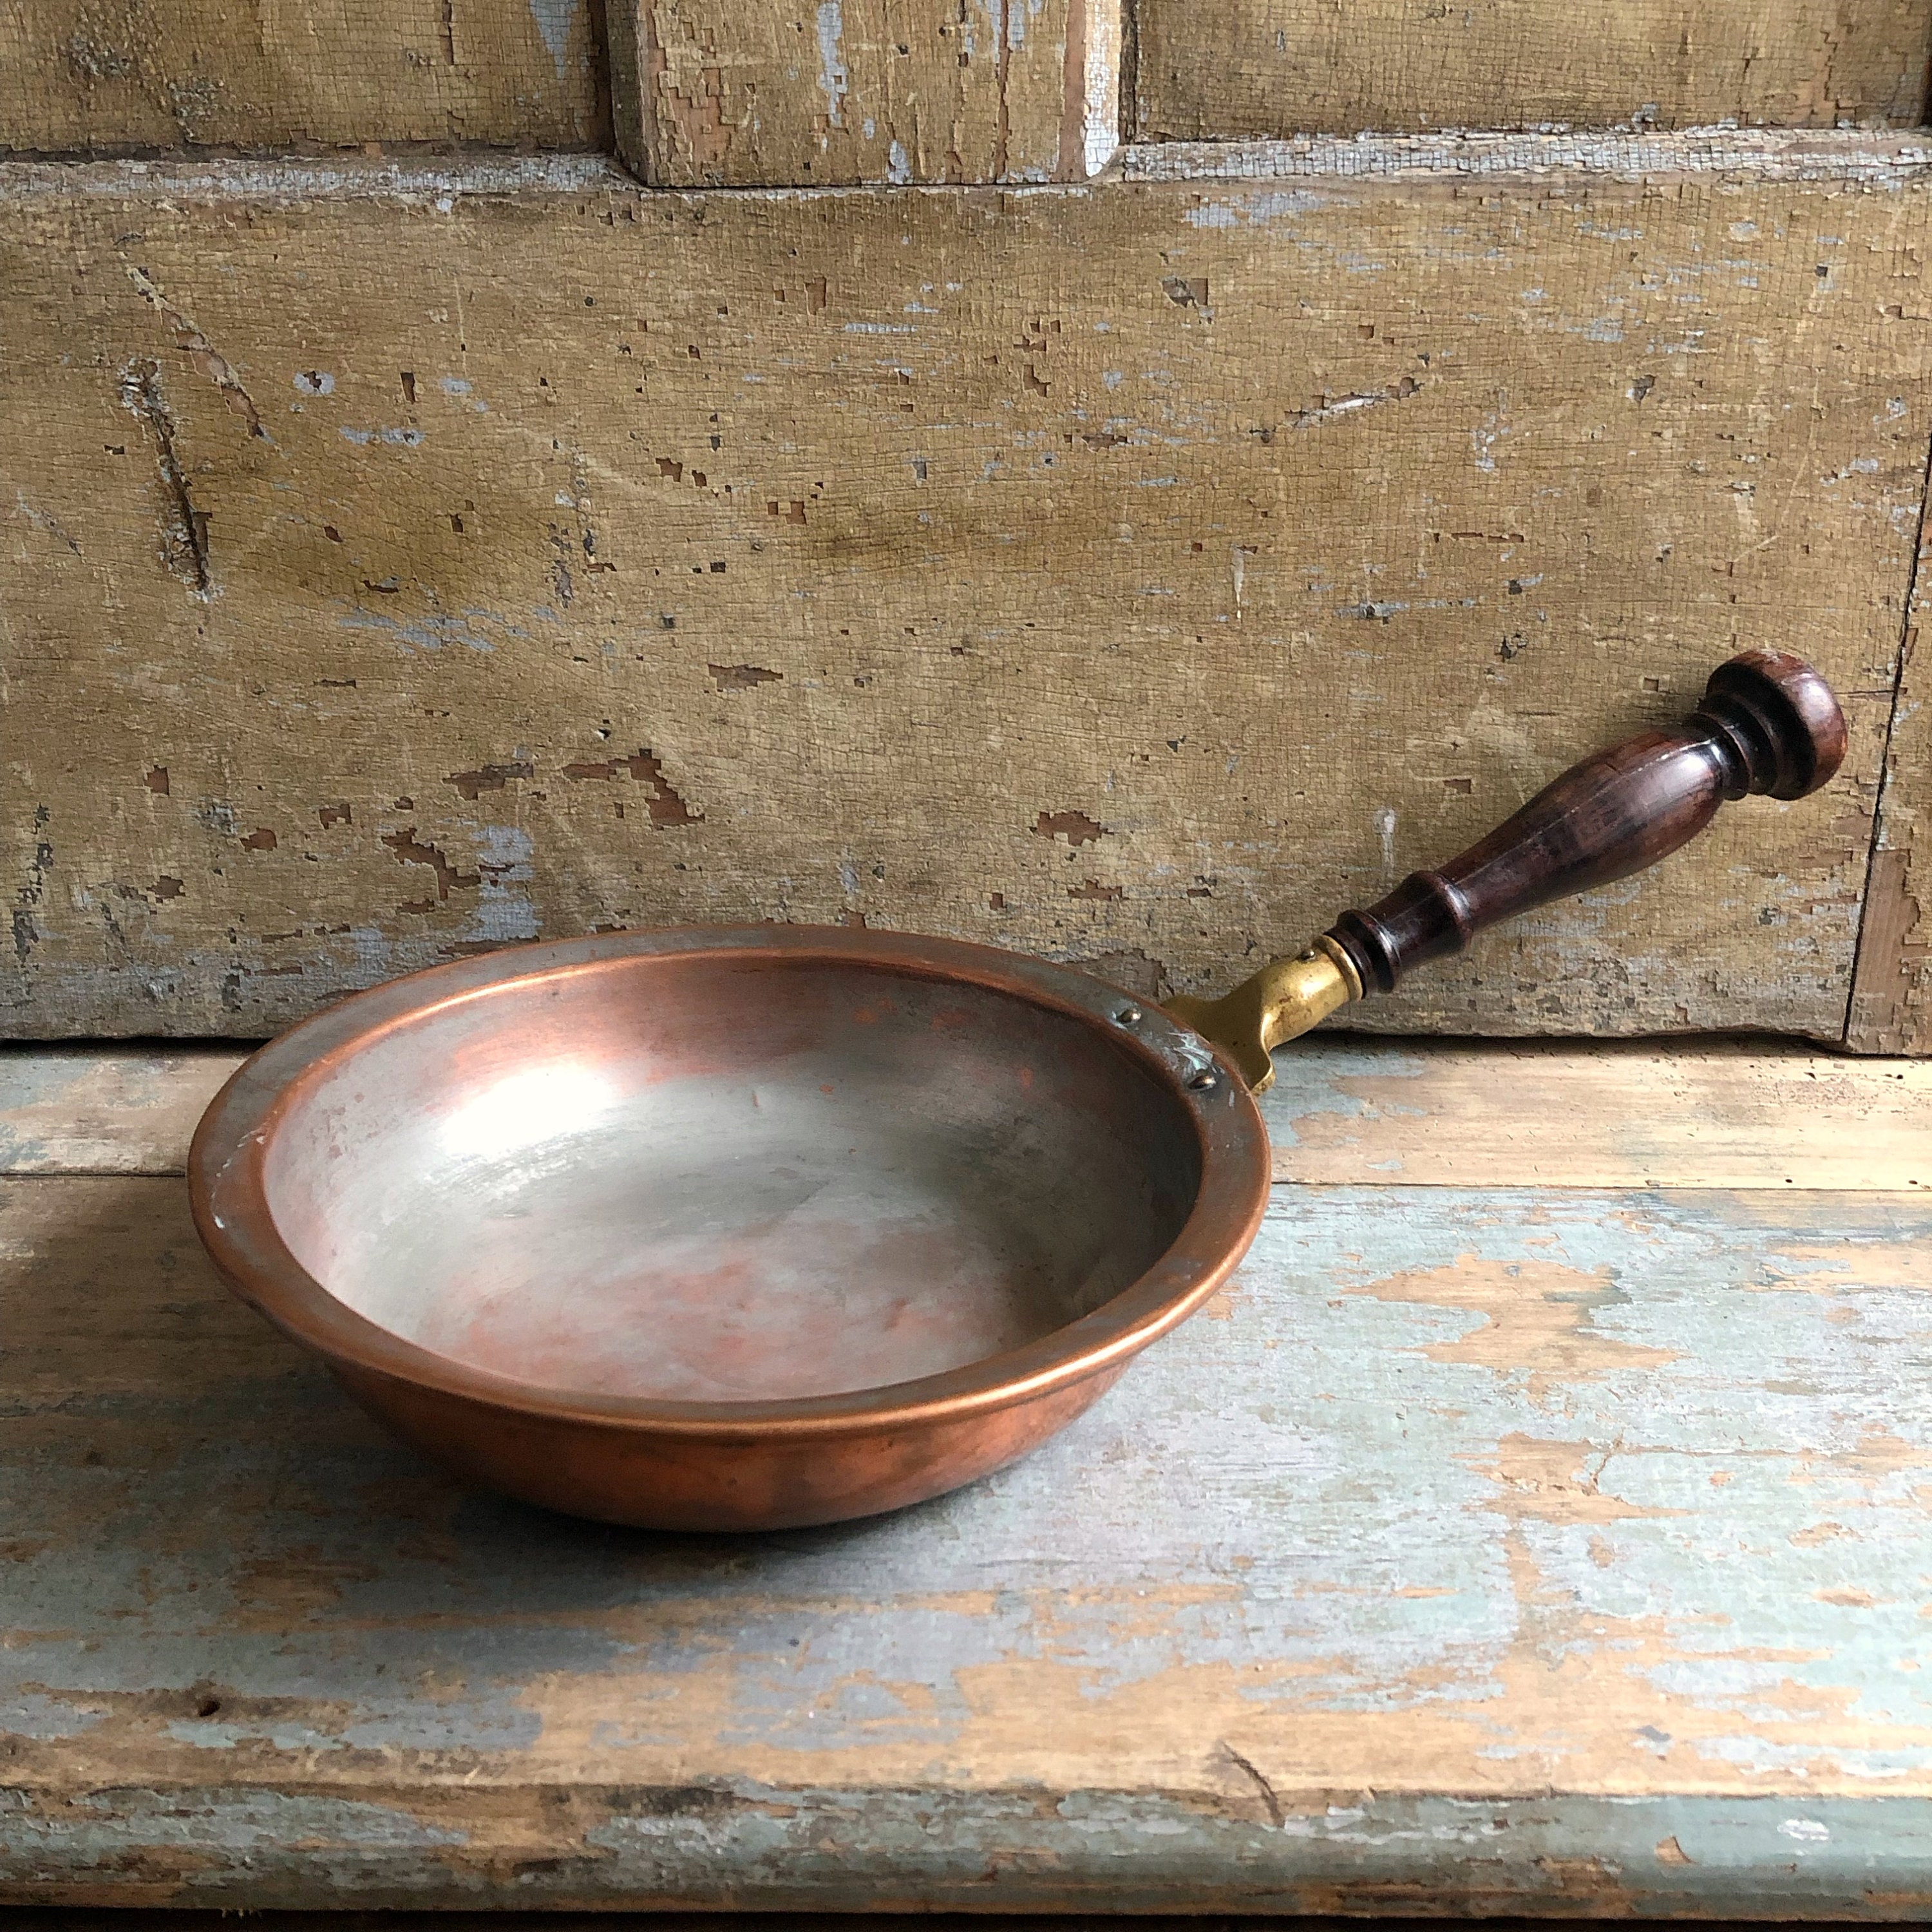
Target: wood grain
(742, 93)
(1478, 1550)
(1759, 155)
(84, 1110)
(1024, 566)
(1346, 1110)
(1891, 994)
(131, 76)
(57, 1919)
(1287, 66)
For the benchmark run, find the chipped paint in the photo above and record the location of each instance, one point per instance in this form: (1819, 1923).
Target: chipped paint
(556, 22)
(833, 78)
(1318, 1610)
(86, 1110)
(1707, 1114)
(933, 640)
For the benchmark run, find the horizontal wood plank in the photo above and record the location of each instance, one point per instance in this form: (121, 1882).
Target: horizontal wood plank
(131, 76)
(1708, 1114)
(1345, 1109)
(1140, 573)
(57, 1919)
(1732, 156)
(1489, 1550)
(1286, 67)
(85, 1110)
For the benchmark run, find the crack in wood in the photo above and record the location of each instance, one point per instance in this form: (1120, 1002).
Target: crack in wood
(184, 528)
(202, 354)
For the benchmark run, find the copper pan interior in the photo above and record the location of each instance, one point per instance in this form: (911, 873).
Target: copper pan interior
(698, 1178)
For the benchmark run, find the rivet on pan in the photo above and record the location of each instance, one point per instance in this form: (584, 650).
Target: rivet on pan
(1128, 1016)
(1204, 1082)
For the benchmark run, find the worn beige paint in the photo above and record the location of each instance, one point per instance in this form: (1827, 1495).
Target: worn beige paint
(1287, 66)
(744, 93)
(1142, 573)
(1891, 1001)
(130, 76)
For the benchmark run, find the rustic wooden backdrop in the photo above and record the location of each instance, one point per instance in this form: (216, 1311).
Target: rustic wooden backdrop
(1041, 472)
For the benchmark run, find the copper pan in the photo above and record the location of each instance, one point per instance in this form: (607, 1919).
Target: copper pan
(713, 1228)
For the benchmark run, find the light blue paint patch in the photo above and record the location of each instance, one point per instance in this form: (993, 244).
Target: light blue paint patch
(41, 1077)
(255, 1820)
(381, 956)
(396, 438)
(504, 913)
(29, 1713)
(207, 1735)
(833, 78)
(728, 1837)
(433, 633)
(555, 19)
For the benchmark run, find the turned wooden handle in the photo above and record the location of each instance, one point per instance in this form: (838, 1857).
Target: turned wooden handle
(1769, 723)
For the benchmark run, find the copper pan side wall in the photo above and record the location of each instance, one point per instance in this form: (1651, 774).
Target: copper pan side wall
(672, 1483)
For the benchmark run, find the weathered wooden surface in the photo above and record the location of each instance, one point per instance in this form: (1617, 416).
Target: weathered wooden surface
(1561, 1549)
(130, 76)
(742, 93)
(1141, 573)
(1891, 999)
(1344, 1110)
(1285, 66)
(87, 1110)
(1723, 1114)
(1733, 156)
(81, 1919)
(57, 1919)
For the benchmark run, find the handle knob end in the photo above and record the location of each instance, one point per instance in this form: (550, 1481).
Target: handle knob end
(1780, 717)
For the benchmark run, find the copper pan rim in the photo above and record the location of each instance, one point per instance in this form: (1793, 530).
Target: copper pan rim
(227, 1186)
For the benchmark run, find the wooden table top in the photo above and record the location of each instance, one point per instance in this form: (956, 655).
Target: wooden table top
(1541, 1522)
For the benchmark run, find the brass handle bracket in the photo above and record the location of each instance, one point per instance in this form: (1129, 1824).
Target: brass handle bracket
(1278, 1004)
